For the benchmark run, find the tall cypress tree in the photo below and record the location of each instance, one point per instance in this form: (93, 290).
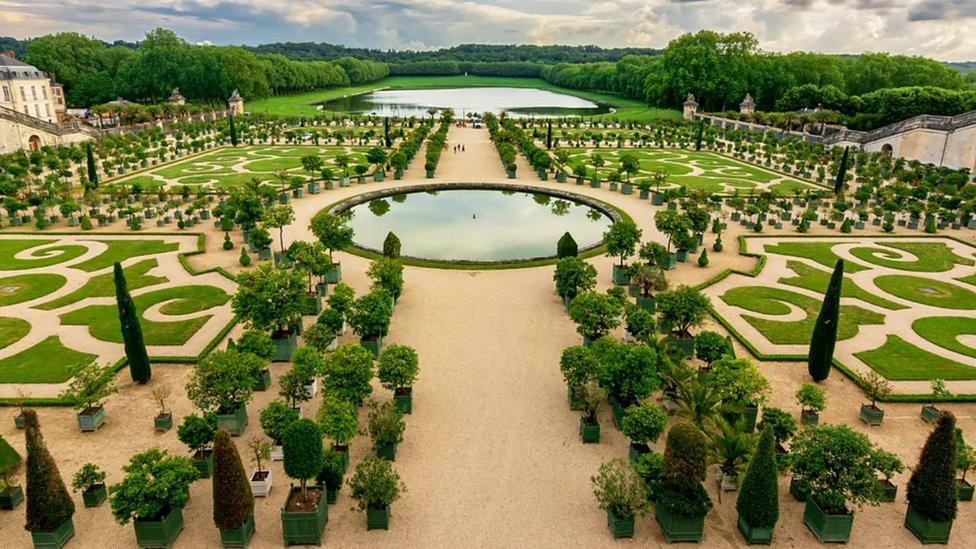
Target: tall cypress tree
(758, 501)
(233, 131)
(548, 134)
(233, 502)
(135, 347)
(842, 171)
(932, 488)
(48, 503)
(386, 132)
(92, 171)
(698, 137)
(825, 330)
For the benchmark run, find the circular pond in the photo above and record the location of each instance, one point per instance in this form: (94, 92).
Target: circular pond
(482, 223)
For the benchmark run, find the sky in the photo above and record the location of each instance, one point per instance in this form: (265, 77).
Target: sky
(942, 29)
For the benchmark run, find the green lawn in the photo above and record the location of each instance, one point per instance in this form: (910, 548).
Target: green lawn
(933, 257)
(12, 330)
(103, 285)
(39, 258)
(927, 291)
(817, 280)
(899, 360)
(103, 320)
(303, 104)
(943, 330)
(121, 250)
(47, 362)
(821, 252)
(21, 288)
(772, 301)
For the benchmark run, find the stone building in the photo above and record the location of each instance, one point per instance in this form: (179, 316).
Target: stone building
(177, 98)
(235, 103)
(690, 107)
(27, 90)
(748, 106)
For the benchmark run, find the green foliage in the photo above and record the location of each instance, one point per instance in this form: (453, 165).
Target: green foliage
(257, 343)
(89, 384)
(932, 487)
(566, 246)
(640, 324)
(302, 446)
(332, 229)
(318, 336)
(342, 298)
(398, 366)
(223, 381)
(291, 386)
(711, 346)
(386, 274)
(391, 246)
(348, 372)
(780, 422)
(269, 299)
(9, 463)
(385, 424)
(197, 432)
(595, 314)
(573, 276)
(578, 365)
(824, 336)
(333, 469)
(674, 224)
(88, 476)
(155, 484)
(965, 455)
(811, 397)
(228, 245)
(307, 360)
(233, 502)
(337, 419)
(275, 419)
(135, 346)
(758, 501)
(621, 239)
(643, 423)
(375, 484)
(685, 463)
(332, 319)
(703, 258)
(842, 172)
(627, 372)
(370, 314)
(739, 382)
(650, 467)
(619, 489)
(48, 503)
(684, 308)
(245, 259)
(310, 257)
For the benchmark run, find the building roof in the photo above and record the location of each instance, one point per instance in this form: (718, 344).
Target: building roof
(14, 68)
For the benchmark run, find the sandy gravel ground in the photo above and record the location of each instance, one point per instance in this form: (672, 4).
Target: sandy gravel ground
(491, 456)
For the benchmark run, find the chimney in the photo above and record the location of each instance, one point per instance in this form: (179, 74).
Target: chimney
(10, 54)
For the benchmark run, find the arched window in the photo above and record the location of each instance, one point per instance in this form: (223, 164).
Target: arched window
(887, 150)
(34, 143)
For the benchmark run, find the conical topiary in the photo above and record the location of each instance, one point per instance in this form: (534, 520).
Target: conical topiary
(824, 337)
(566, 246)
(135, 345)
(703, 258)
(48, 503)
(233, 502)
(758, 501)
(932, 488)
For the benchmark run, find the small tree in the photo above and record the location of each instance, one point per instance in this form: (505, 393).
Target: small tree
(780, 422)
(711, 346)
(621, 240)
(87, 478)
(876, 387)
(932, 487)
(348, 372)
(628, 373)
(573, 276)
(310, 257)
(224, 381)
(739, 382)
(824, 336)
(198, 432)
(811, 398)
(154, 485)
(387, 274)
(965, 456)
(275, 419)
(302, 445)
(292, 386)
(595, 314)
(233, 502)
(398, 367)
(566, 246)
(578, 365)
(684, 308)
(332, 229)
(370, 314)
(619, 490)
(270, 299)
(385, 424)
(643, 423)
(135, 346)
(48, 503)
(342, 298)
(260, 452)
(375, 485)
(279, 217)
(89, 384)
(640, 324)
(758, 501)
(337, 419)
(257, 343)
(391, 246)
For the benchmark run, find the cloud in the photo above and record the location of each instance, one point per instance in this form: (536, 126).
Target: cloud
(938, 28)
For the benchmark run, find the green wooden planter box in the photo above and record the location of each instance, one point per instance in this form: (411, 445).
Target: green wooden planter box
(322, 288)
(163, 422)
(676, 528)
(314, 187)
(91, 421)
(620, 275)
(204, 465)
(613, 186)
(620, 527)
(378, 519)
(403, 399)
(264, 254)
(313, 304)
(296, 193)
(510, 174)
(889, 489)
(237, 537)
(561, 177)
(595, 183)
(930, 413)
(159, 533)
(234, 422)
(682, 255)
(646, 303)
(871, 415)
(657, 198)
(94, 496)
(686, 345)
(283, 198)
(284, 348)
(827, 528)
(617, 412)
(331, 495)
(798, 493)
(927, 531)
(755, 535)
(668, 263)
(386, 451)
(378, 176)
(589, 433)
(430, 174)
(263, 382)
(334, 275)
(809, 418)
(964, 490)
(55, 538)
(372, 345)
(305, 527)
(643, 195)
(11, 497)
(19, 421)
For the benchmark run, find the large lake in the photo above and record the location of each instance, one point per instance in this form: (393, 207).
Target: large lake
(515, 101)
(476, 225)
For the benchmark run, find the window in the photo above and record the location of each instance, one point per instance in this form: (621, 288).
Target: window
(6, 93)
(23, 96)
(47, 109)
(34, 93)
(27, 112)
(44, 92)
(37, 110)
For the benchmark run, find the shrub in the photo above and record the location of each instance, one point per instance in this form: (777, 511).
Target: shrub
(257, 343)
(758, 501)
(595, 314)
(738, 381)
(197, 432)
(342, 298)
(685, 463)
(932, 487)
(650, 467)
(711, 346)
(48, 503)
(337, 419)
(566, 246)
(703, 258)
(88, 476)
(347, 373)
(385, 424)
(275, 419)
(245, 259)
(224, 380)
(375, 484)
(628, 373)
(155, 484)
(398, 367)
(643, 423)
(578, 365)
(811, 397)
(386, 274)
(302, 445)
(233, 502)
(370, 314)
(640, 324)
(684, 308)
(391, 246)
(270, 299)
(619, 489)
(333, 469)
(228, 245)
(782, 424)
(718, 247)
(573, 276)
(319, 337)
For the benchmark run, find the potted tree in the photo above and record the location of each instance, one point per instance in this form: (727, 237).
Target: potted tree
(260, 240)
(591, 395)
(965, 457)
(385, 426)
(683, 308)
(294, 387)
(929, 412)
(578, 366)
(49, 507)
(812, 400)
(758, 501)
(11, 494)
(627, 372)
(332, 473)
(595, 315)
(621, 240)
(337, 420)
(682, 502)
(312, 259)
(387, 273)
(784, 427)
(233, 503)
(152, 495)
(347, 373)
(260, 480)
(89, 384)
(307, 362)
(272, 300)
(710, 347)
(341, 300)
(375, 486)
(646, 278)
(370, 318)
(305, 512)
(742, 388)
(573, 276)
(259, 344)
(397, 370)
(163, 420)
(642, 423)
(876, 388)
(888, 465)
(640, 325)
(932, 499)
(198, 433)
(334, 233)
(90, 481)
(223, 383)
(275, 418)
(621, 493)
(839, 468)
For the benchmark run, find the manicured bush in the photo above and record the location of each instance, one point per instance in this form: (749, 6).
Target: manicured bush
(781, 422)
(198, 432)
(566, 246)
(595, 314)
(224, 381)
(811, 397)
(333, 469)
(391, 246)
(275, 419)
(270, 299)
(932, 487)
(619, 489)
(685, 463)
(228, 245)
(155, 484)
(245, 259)
(48, 503)
(398, 366)
(643, 423)
(347, 373)
(627, 372)
(233, 502)
(385, 424)
(337, 419)
(711, 346)
(375, 484)
(302, 445)
(703, 258)
(758, 501)
(824, 336)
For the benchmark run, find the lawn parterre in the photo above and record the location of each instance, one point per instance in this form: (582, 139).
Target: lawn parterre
(59, 309)
(920, 327)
